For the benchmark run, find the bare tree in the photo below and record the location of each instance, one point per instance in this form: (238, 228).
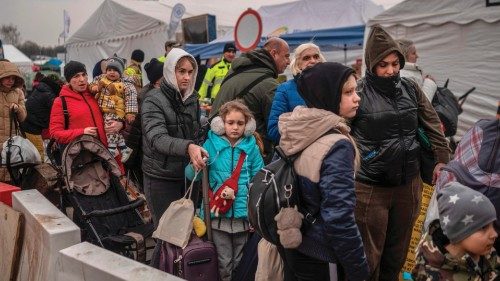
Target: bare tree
(29, 48)
(10, 34)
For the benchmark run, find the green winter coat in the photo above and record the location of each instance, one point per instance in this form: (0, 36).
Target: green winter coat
(259, 99)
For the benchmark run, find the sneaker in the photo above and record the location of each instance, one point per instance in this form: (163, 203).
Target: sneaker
(126, 154)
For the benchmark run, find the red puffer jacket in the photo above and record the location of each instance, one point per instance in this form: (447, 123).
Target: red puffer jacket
(83, 112)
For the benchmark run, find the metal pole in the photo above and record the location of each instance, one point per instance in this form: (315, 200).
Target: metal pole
(206, 205)
(345, 54)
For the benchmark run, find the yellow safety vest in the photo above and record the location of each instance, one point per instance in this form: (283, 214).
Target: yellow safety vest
(213, 79)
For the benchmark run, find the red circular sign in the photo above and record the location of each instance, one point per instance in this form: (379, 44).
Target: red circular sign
(248, 30)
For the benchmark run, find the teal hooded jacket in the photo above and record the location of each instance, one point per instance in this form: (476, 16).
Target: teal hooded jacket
(223, 159)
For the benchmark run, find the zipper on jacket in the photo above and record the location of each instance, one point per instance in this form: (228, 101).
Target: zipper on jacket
(237, 183)
(401, 137)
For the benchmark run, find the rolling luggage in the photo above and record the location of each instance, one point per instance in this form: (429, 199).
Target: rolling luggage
(196, 262)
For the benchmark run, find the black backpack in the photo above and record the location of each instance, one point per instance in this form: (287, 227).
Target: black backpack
(273, 187)
(448, 107)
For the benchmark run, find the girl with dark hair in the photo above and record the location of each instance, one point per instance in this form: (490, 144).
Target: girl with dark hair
(325, 168)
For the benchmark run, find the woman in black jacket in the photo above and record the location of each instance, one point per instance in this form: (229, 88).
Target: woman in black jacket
(388, 184)
(38, 106)
(170, 118)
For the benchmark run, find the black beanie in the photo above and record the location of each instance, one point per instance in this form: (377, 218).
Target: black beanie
(229, 47)
(321, 85)
(72, 68)
(154, 70)
(137, 55)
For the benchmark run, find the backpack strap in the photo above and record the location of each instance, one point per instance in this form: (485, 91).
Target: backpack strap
(238, 71)
(65, 112)
(245, 90)
(51, 150)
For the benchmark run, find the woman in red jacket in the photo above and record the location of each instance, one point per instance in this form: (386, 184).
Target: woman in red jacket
(85, 116)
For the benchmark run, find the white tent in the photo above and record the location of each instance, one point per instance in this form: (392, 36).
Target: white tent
(17, 57)
(455, 39)
(21, 61)
(120, 26)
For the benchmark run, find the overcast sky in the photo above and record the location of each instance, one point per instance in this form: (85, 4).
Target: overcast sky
(41, 21)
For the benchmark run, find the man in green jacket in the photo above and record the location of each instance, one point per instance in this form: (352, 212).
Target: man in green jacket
(216, 73)
(169, 45)
(252, 78)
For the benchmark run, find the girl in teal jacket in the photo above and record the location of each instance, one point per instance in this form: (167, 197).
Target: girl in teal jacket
(231, 134)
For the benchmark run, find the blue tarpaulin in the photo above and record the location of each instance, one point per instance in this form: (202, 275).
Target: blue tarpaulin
(328, 39)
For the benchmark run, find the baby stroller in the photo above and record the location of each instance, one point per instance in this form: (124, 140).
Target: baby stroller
(101, 207)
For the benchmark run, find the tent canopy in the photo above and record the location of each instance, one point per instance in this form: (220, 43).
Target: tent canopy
(410, 13)
(117, 20)
(326, 22)
(455, 39)
(14, 55)
(328, 39)
(121, 26)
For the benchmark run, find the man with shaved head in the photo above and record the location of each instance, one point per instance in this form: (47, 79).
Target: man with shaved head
(252, 78)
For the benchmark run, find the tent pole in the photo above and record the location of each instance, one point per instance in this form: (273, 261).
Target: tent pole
(65, 51)
(345, 54)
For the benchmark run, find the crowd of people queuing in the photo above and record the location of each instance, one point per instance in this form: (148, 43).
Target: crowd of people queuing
(359, 169)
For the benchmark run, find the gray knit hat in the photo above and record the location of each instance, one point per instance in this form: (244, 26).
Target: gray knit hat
(463, 211)
(117, 64)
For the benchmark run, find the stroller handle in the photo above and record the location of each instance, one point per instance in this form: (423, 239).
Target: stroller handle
(104, 213)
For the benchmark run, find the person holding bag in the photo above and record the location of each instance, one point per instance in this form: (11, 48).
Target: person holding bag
(234, 159)
(11, 98)
(170, 118)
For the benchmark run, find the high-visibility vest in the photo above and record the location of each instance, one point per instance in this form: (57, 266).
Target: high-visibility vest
(213, 79)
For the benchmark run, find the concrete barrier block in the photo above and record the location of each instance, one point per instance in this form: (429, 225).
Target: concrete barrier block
(86, 261)
(47, 231)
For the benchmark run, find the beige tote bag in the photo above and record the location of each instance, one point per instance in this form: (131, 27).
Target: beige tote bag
(270, 264)
(176, 223)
